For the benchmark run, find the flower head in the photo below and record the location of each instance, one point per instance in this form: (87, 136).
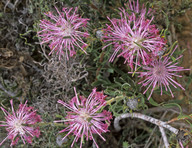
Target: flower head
(86, 117)
(20, 123)
(160, 73)
(134, 36)
(64, 32)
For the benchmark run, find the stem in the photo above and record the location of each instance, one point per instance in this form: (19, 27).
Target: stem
(114, 99)
(49, 123)
(99, 68)
(144, 117)
(170, 49)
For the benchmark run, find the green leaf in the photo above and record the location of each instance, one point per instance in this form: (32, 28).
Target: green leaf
(125, 144)
(147, 7)
(182, 116)
(135, 71)
(173, 58)
(58, 116)
(110, 70)
(125, 86)
(173, 105)
(165, 34)
(166, 19)
(153, 102)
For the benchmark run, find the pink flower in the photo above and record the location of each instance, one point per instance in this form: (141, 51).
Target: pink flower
(20, 124)
(160, 73)
(133, 37)
(86, 117)
(64, 32)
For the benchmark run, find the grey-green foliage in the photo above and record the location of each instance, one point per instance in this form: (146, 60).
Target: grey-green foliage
(8, 89)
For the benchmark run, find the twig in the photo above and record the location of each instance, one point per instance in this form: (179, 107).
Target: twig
(166, 143)
(162, 109)
(9, 4)
(150, 139)
(144, 117)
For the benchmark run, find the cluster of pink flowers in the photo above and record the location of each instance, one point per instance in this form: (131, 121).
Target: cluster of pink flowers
(86, 117)
(138, 41)
(21, 123)
(64, 32)
(133, 37)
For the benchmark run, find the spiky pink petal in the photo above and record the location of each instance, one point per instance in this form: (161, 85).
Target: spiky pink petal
(135, 8)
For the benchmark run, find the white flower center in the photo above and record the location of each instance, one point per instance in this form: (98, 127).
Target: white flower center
(84, 116)
(66, 30)
(136, 42)
(18, 126)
